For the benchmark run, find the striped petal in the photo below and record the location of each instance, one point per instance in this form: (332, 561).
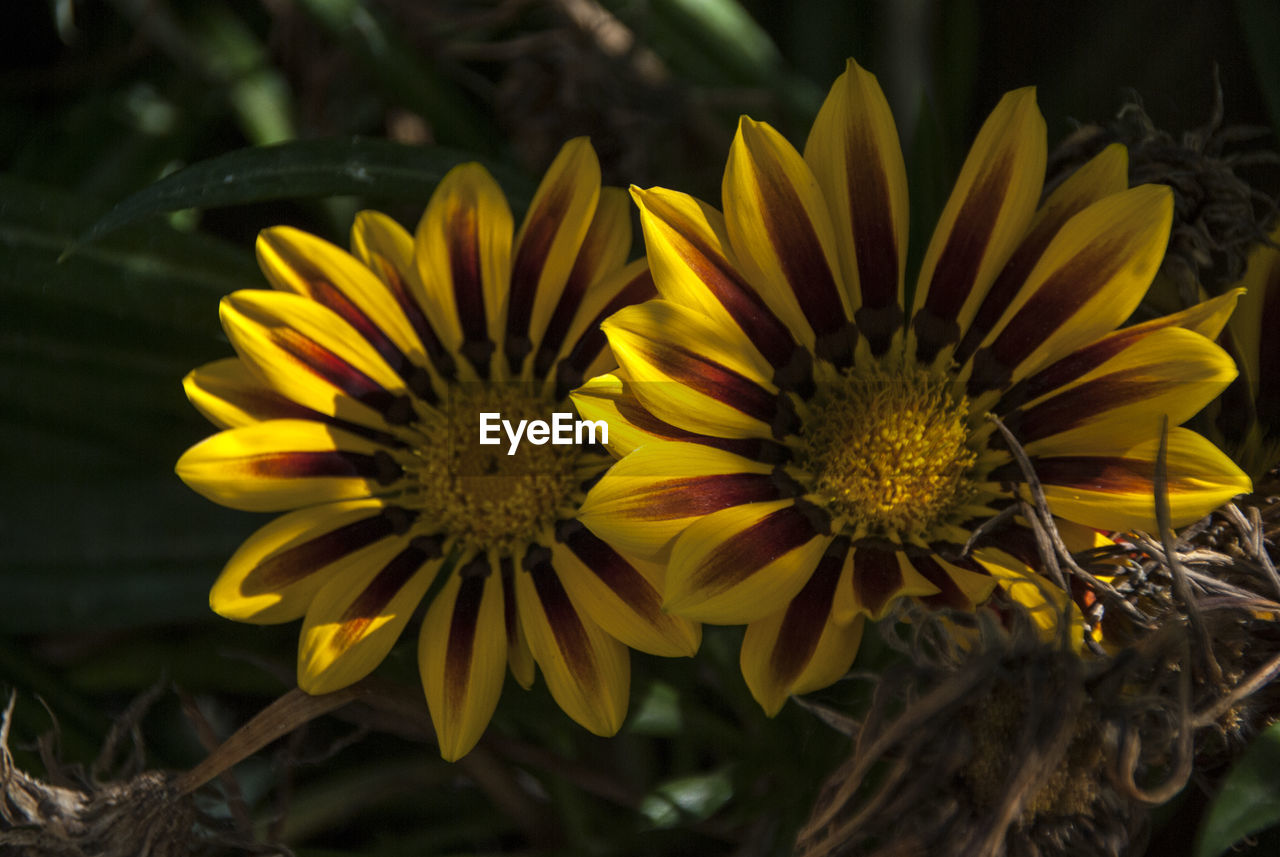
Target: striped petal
(462, 655)
(1113, 488)
(736, 565)
(386, 248)
(588, 672)
(308, 353)
(603, 252)
(1172, 373)
(644, 501)
(462, 248)
(356, 617)
(879, 578)
(287, 464)
(275, 574)
(1105, 174)
(620, 594)
(856, 158)
(962, 585)
(229, 395)
(519, 658)
(984, 219)
(688, 248)
(802, 647)
(584, 352)
(782, 236)
(547, 245)
(1089, 280)
(298, 262)
(690, 373)
(1206, 318)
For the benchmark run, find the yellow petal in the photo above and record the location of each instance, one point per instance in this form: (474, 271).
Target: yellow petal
(587, 671)
(287, 464)
(782, 238)
(1089, 280)
(690, 373)
(309, 354)
(462, 655)
(985, 218)
(854, 153)
(462, 248)
(274, 575)
(547, 245)
(229, 395)
(1112, 487)
(738, 564)
(644, 501)
(356, 617)
(623, 595)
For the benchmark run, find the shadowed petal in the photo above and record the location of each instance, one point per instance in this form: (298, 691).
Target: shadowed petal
(587, 671)
(356, 617)
(547, 245)
(986, 216)
(856, 158)
(229, 395)
(462, 248)
(274, 575)
(623, 595)
(879, 578)
(1089, 280)
(462, 655)
(802, 647)
(781, 232)
(309, 354)
(647, 499)
(736, 565)
(690, 373)
(585, 350)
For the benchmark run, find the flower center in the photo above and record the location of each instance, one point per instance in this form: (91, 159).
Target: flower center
(477, 493)
(888, 451)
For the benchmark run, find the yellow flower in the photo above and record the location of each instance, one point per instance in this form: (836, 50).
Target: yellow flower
(804, 446)
(355, 401)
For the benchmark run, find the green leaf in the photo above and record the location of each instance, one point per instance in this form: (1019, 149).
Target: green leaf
(1249, 799)
(694, 797)
(302, 168)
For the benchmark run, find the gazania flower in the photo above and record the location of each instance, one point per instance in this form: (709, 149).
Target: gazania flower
(356, 400)
(806, 441)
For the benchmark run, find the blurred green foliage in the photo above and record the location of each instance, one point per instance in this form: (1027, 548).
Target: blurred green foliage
(129, 199)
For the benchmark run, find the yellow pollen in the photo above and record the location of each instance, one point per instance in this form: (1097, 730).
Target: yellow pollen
(888, 451)
(478, 494)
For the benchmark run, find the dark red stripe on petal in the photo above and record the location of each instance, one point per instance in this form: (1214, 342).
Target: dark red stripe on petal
(460, 647)
(1082, 403)
(371, 603)
(1058, 299)
(463, 237)
(746, 552)
(439, 356)
(572, 370)
(950, 595)
(714, 380)
(756, 449)
(1100, 473)
(1067, 369)
(541, 227)
(877, 577)
(956, 273)
(332, 369)
(570, 634)
(690, 496)
(875, 241)
(323, 463)
(804, 264)
(807, 616)
(612, 569)
(325, 293)
(301, 560)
